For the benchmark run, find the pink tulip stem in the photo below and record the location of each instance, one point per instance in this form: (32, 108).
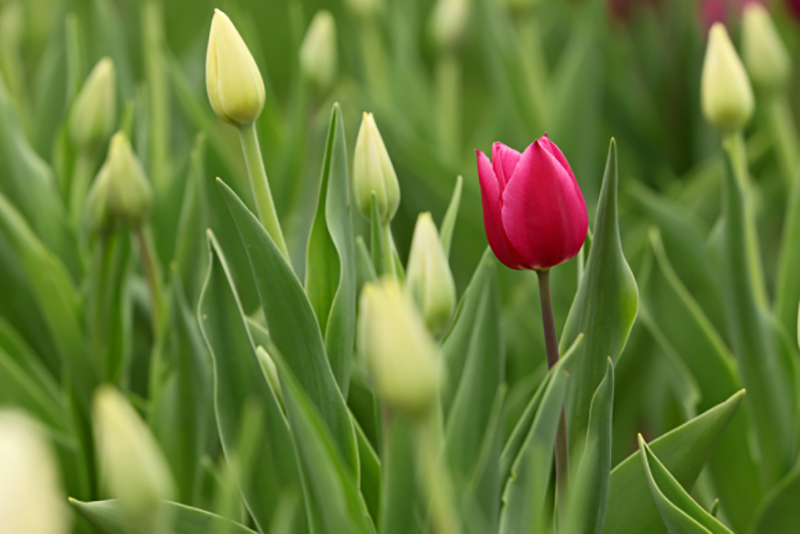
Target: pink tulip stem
(551, 344)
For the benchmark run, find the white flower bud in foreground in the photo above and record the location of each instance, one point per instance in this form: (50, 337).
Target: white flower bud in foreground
(93, 115)
(401, 355)
(132, 466)
(763, 51)
(373, 171)
(726, 95)
(233, 82)
(318, 51)
(449, 21)
(31, 498)
(428, 277)
(130, 196)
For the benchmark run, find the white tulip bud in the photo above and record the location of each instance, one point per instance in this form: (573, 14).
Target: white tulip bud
(318, 51)
(130, 196)
(726, 95)
(764, 54)
(373, 172)
(93, 115)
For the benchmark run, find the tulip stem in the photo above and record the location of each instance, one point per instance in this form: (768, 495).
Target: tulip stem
(784, 136)
(79, 187)
(551, 344)
(433, 475)
(261, 192)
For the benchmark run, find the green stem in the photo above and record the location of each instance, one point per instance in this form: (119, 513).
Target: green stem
(149, 261)
(448, 93)
(735, 140)
(434, 477)
(388, 251)
(82, 175)
(551, 344)
(258, 182)
(784, 136)
(157, 93)
(787, 289)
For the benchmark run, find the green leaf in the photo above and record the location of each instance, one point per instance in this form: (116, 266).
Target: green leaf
(108, 518)
(333, 501)
(182, 421)
(680, 512)
(239, 381)
(55, 296)
(401, 507)
(787, 291)
(779, 511)
(330, 262)
(594, 469)
(450, 216)
(29, 183)
(365, 270)
(293, 327)
(769, 390)
(683, 452)
(470, 413)
(525, 493)
(515, 441)
(604, 308)
(677, 323)
(370, 468)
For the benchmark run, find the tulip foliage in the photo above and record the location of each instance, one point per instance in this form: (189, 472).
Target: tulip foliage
(253, 279)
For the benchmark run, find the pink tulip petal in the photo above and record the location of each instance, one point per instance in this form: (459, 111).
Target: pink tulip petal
(504, 161)
(544, 214)
(556, 152)
(492, 220)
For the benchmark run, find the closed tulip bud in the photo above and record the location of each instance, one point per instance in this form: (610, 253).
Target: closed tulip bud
(764, 54)
(131, 464)
(318, 51)
(364, 8)
(533, 209)
(233, 81)
(727, 98)
(401, 355)
(373, 172)
(31, 498)
(93, 115)
(97, 215)
(428, 277)
(130, 196)
(448, 22)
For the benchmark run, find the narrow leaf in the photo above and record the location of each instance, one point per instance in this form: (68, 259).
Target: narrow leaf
(450, 216)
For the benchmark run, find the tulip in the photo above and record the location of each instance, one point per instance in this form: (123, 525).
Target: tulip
(233, 81)
(726, 95)
(764, 54)
(97, 214)
(793, 7)
(92, 118)
(373, 173)
(133, 467)
(400, 354)
(364, 8)
(533, 208)
(428, 277)
(130, 196)
(318, 51)
(31, 498)
(449, 21)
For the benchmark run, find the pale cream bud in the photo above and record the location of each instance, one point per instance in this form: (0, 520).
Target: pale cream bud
(428, 277)
(130, 196)
(373, 172)
(93, 115)
(400, 353)
(763, 51)
(318, 51)
(233, 82)
(727, 98)
(449, 21)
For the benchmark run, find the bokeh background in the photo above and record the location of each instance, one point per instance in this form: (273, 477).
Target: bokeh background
(580, 70)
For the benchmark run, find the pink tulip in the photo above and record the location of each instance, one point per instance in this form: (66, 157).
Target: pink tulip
(533, 208)
(793, 6)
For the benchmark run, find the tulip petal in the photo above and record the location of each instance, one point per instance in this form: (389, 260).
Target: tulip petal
(544, 214)
(556, 152)
(504, 161)
(492, 220)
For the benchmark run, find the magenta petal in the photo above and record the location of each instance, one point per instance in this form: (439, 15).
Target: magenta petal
(492, 220)
(556, 152)
(504, 161)
(544, 214)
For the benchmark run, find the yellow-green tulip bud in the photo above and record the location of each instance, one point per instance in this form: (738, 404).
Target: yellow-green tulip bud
(400, 353)
(132, 466)
(93, 115)
(763, 51)
(727, 98)
(428, 277)
(318, 51)
(364, 8)
(233, 81)
(130, 196)
(449, 21)
(373, 172)
(31, 498)
(97, 215)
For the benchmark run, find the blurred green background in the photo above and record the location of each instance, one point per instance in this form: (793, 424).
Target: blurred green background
(580, 70)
